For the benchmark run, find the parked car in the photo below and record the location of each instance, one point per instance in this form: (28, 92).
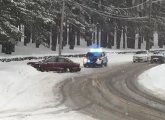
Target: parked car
(59, 64)
(141, 56)
(158, 57)
(96, 58)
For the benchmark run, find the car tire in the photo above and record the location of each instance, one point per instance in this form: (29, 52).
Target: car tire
(85, 65)
(147, 59)
(65, 69)
(102, 64)
(161, 61)
(41, 69)
(71, 70)
(106, 64)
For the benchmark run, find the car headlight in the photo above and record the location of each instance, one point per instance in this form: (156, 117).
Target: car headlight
(85, 60)
(134, 57)
(144, 57)
(98, 59)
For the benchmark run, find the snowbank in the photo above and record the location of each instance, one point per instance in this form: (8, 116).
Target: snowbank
(153, 81)
(26, 92)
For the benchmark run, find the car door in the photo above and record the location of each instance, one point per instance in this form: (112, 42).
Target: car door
(68, 63)
(65, 63)
(62, 64)
(50, 63)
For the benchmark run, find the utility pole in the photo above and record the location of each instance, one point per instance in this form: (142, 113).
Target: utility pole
(61, 27)
(149, 39)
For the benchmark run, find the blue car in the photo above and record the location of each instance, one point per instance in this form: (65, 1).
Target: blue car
(93, 59)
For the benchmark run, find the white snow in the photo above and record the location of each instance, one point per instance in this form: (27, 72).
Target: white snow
(153, 81)
(27, 94)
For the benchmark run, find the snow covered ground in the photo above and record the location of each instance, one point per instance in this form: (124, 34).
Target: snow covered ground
(27, 94)
(30, 50)
(154, 81)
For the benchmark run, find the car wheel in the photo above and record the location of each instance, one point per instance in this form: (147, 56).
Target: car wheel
(102, 64)
(41, 69)
(147, 59)
(71, 70)
(65, 70)
(106, 64)
(85, 65)
(162, 61)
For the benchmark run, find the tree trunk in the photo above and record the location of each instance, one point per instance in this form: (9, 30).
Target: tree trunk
(22, 28)
(65, 36)
(50, 37)
(72, 37)
(125, 34)
(4, 46)
(131, 37)
(27, 36)
(94, 37)
(78, 36)
(98, 36)
(139, 41)
(34, 32)
(110, 38)
(54, 38)
(31, 34)
(118, 37)
(124, 38)
(88, 37)
(103, 38)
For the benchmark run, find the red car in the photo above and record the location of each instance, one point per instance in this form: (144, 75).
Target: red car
(59, 64)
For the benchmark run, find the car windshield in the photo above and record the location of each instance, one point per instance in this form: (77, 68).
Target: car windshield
(51, 59)
(68, 60)
(159, 52)
(141, 52)
(94, 54)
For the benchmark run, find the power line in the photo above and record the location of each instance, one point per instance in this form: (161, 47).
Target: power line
(113, 7)
(160, 5)
(139, 4)
(110, 15)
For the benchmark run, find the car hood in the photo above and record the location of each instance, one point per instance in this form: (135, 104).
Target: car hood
(158, 55)
(141, 55)
(32, 63)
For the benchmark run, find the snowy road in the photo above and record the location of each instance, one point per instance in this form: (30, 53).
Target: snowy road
(113, 95)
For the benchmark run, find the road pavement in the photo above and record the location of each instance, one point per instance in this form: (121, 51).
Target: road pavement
(113, 93)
